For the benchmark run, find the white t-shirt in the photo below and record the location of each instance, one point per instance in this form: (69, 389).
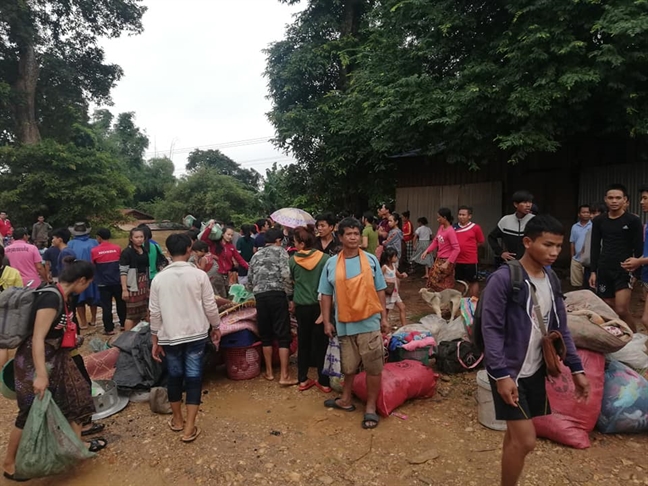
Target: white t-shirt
(534, 360)
(423, 233)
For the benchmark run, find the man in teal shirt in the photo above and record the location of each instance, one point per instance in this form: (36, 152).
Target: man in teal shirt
(355, 279)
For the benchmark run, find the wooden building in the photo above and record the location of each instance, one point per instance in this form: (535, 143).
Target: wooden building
(559, 181)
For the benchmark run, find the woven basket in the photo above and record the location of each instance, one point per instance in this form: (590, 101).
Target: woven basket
(243, 363)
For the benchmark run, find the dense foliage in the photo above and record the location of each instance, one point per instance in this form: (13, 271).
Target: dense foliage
(356, 81)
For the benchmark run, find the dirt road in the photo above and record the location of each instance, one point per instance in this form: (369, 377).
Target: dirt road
(256, 433)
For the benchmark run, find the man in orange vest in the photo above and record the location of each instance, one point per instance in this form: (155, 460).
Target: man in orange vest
(355, 279)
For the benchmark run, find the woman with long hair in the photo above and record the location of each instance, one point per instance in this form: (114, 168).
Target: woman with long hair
(395, 236)
(43, 361)
(441, 275)
(306, 267)
(134, 269)
(226, 254)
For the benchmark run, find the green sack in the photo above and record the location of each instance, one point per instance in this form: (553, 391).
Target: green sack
(48, 445)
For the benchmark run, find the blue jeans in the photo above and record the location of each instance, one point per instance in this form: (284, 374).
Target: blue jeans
(184, 363)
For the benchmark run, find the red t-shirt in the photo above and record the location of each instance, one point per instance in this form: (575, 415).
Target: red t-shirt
(470, 237)
(408, 232)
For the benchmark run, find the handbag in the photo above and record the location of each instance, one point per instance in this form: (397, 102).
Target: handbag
(553, 345)
(70, 334)
(389, 290)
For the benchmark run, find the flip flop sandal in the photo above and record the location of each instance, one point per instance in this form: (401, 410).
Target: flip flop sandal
(175, 429)
(322, 388)
(266, 377)
(97, 444)
(95, 429)
(370, 421)
(333, 403)
(192, 437)
(13, 477)
(307, 385)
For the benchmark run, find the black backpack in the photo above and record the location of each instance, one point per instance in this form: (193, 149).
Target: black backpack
(517, 281)
(457, 356)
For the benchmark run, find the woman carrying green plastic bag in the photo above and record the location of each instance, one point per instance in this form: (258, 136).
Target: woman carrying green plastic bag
(48, 445)
(47, 377)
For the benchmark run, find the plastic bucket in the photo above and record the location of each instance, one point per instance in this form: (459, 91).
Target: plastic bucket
(485, 405)
(7, 381)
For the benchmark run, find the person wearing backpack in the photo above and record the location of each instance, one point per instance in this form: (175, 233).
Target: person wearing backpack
(43, 360)
(512, 339)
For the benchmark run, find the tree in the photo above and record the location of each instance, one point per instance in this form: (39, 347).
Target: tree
(60, 38)
(288, 186)
(206, 193)
(215, 159)
(65, 183)
(309, 74)
(472, 80)
(156, 181)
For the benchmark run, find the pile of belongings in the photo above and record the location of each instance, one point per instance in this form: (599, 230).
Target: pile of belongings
(411, 340)
(618, 400)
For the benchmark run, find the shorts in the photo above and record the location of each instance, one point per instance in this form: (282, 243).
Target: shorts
(532, 399)
(365, 348)
(466, 272)
(273, 318)
(609, 282)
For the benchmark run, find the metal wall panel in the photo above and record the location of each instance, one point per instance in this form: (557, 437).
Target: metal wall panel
(595, 180)
(485, 198)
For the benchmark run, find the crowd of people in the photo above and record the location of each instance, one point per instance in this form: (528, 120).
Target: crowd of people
(339, 277)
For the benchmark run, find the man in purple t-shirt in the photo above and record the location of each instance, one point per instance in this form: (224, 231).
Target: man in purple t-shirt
(26, 259)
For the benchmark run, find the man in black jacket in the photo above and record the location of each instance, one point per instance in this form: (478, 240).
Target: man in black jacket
(510, 229)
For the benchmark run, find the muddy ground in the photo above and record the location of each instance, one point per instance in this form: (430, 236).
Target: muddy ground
(256, 433)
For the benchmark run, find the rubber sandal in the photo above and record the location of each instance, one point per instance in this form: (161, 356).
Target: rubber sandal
(192, 437)
(97, 444)
(175, 429)
(13, 477)
(322, 388)
(307, 385)
(333, 403)
(95, 429)
(373, 420)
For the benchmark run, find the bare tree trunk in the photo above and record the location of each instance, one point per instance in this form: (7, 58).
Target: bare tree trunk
(25, 107)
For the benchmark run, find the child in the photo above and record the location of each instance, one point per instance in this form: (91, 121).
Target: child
(422, 238)
(389, 264)
(513, 341)
(205, 261)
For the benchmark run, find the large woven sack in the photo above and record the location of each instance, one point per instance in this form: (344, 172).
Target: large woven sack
(570, 421)
(102, 365)
(587, 319)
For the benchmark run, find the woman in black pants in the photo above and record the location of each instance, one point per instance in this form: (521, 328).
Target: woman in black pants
(305, 269)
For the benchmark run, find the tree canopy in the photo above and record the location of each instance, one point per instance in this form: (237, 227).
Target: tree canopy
(356, 81)
(215, 159)
(51, 64)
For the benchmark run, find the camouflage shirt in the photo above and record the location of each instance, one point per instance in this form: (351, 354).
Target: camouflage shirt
(269, 271)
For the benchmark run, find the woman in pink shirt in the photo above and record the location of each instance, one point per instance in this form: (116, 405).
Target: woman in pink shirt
(445, 242)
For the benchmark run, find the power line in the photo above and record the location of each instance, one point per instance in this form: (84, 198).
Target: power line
(232, 144)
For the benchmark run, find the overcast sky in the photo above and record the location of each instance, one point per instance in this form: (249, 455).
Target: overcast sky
(194, 77)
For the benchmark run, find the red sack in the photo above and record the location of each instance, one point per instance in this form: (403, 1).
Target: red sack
(571, 422)
(400, 382)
